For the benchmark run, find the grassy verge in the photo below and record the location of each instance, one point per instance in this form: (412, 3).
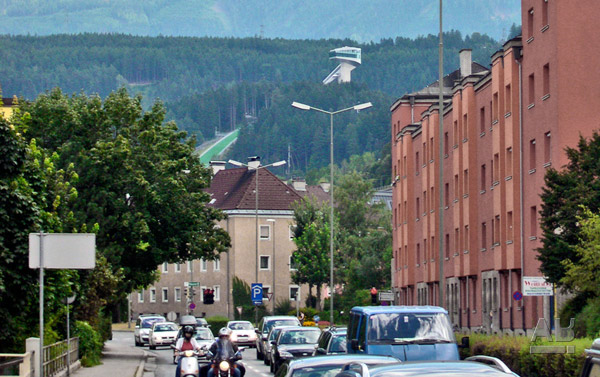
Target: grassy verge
(123, 327)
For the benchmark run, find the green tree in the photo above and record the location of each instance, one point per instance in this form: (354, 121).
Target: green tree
(565, 194)
(139, 183)
(311, 238)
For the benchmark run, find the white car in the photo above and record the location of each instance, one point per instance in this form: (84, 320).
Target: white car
(162, 334)
(143, 326)
(242, 333)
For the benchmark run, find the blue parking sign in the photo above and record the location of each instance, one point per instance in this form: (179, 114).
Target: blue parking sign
(257, 293)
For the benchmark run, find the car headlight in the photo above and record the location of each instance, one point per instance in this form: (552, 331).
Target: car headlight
(224, 366)
(285, 354)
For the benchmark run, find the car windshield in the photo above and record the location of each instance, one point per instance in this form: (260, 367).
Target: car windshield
(241, 326)
(274, 334)
(320, 371)
(204, 334)
(410, 328)
(165, 327)
(280, 322)
(147, 323)
(338, 344)
(300, 336)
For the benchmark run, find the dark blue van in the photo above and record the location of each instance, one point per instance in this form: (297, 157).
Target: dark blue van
(408, 333)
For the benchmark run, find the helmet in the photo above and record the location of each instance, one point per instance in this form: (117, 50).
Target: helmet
(188, 330)
(224, 332)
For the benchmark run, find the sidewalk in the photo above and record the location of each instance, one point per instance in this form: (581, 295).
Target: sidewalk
(119, 359)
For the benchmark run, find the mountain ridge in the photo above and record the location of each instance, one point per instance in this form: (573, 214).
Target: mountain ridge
(359, 20)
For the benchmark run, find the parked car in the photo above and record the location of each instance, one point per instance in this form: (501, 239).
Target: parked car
(475, 366)
(291, 343)
(591, 367)
(273, 334)
(204, 337)
(327, 366)
(142, 327)
(265, 324)
(242, 333)
(410, 333)
(332, 341)
(162, 334)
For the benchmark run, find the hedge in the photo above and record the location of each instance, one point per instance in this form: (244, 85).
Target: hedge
(514, 351)
(90, 344)
(216, 323)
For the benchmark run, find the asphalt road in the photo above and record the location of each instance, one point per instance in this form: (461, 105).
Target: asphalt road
(166, 368)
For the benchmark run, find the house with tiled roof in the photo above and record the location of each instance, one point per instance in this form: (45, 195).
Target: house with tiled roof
(266, 253)
(7, 105)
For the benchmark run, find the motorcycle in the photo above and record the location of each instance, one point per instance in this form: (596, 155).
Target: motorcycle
(226, 361)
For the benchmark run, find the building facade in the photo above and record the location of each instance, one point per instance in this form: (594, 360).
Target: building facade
(503, 126)
(233, 191)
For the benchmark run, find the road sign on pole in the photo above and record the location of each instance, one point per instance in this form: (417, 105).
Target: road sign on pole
(193, 283)
(257, 293)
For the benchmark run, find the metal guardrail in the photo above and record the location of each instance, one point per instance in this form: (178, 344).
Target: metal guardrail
(55, 356)
(19, 365)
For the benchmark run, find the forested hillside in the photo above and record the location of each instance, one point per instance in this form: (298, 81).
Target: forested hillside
(213, 83)
(361, 20)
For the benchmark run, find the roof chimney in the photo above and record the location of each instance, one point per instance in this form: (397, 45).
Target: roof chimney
(299, 184)
(253, 162)
(217, 166)
(465, 62)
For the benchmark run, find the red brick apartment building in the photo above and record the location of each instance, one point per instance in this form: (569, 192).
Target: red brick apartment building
(503, 127)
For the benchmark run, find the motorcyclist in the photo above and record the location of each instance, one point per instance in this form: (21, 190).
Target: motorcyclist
(186, 343)
(225, 344)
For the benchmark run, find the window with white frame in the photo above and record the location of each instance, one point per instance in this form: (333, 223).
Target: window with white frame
(177, 294)
(165, 295)
(141, 295)
(165, 268)
(294, 291)
(177, 267)
(266, 291)
(265, 262)
(190, 266)
(202, 288)
(152, 294)
(265, 232)
(293, 265)
(217, 293)
(203, 265)
(217, 265)
(292, 230)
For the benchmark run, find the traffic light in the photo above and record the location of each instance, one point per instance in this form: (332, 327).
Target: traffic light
(193, 293)
(185, 292)
(209, 296)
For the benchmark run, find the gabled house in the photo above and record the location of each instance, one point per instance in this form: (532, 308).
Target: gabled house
(268, 255)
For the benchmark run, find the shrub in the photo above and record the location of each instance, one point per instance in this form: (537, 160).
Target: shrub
(90, 344)
(283, 306)
(309, 324)
(105, 327)
(216, 323)
(514, 351)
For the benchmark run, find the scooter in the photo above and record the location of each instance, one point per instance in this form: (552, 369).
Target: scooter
(189, 364)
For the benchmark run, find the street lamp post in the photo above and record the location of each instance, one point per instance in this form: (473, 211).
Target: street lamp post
(302, 106)
(272, 221)
(256, 168)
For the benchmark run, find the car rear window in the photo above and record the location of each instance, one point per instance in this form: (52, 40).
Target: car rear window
(241, 326)
(280, 322)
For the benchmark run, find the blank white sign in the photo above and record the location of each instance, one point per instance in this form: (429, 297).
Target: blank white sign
(63, 250)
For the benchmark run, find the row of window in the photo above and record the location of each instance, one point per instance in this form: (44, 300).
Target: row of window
(176, 294)
(487, 180)
(532, 19)
(429, 253)
(265, 264)
(294, 290)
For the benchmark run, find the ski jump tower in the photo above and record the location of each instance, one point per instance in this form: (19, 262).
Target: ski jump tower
(349, 58)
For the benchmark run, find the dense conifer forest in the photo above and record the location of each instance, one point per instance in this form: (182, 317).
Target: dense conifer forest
(214, 85)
